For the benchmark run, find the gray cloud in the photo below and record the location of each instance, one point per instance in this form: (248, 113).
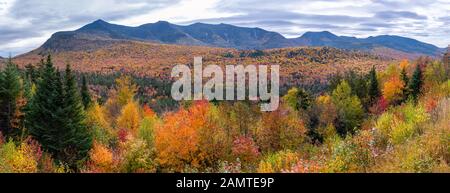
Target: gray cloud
(379, 25)
(426, 20)
(389, 15)
(38, 18)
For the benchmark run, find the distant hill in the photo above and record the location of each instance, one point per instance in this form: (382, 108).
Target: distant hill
(300, 65)
(398, 43)
(100, 34)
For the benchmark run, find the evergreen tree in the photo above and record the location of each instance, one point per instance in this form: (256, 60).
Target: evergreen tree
(298, 99)
(405, 79)
(56, 117)
(85, 96)
(374, 89)
(9, 93)
(31, 73)
(416, 83)
(77, 137)
(44, 118)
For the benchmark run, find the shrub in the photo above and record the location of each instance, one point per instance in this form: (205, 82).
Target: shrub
(351, 154)
(278, 162)
(245, 149)
(280, 130)
(101, 159)
(146, 130)
(401, 123)
(19, 159)
(306, 166)
(138, 157)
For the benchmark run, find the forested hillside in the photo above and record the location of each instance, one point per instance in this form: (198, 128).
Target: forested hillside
(374, 116)
(301, 66)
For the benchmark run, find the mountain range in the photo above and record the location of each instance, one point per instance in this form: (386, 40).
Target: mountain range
(101, 33)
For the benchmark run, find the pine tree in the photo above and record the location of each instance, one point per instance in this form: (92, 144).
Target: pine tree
(9, 94)
(85, 96)
(416, 83)
(374, 89)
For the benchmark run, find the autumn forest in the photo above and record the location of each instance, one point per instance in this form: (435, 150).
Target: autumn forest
(386, 116)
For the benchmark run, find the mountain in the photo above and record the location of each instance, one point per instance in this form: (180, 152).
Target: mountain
(100, 34)
(397, 43)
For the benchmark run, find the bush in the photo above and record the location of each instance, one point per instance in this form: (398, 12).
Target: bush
(351, 154)
(280, 130)
(23, 158)
(146, 130)
(138, 157)
(101, 159)
(281, 161)
(401, 123)
(245, 149)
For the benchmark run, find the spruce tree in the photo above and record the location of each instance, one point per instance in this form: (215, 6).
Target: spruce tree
(56, 117)
(298, 99)
(78, 138)
(374, 89)
(405, 79)
(9, 93)
(416, 83)
(85, 96)
(44, 118)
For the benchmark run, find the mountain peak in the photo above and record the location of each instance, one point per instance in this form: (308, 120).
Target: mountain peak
(99, 21)
(162, 22)
(97, 24)
(321, 34)
(229, 36)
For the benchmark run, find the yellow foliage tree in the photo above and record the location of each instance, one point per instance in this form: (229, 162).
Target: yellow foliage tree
(18, 159)
(126, 90)
(129, 117)
(404, 64)
(96, 116)
(123, 93)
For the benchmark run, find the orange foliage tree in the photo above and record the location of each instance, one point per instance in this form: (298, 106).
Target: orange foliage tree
(101, 159)
(176, 140)
(393, 89)
(281, 129)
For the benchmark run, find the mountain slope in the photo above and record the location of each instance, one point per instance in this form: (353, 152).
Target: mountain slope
(103, 34)
(300, 65)
(100, 34)
(398, 43)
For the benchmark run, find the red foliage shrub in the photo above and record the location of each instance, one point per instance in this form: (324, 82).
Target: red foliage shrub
(245, 149)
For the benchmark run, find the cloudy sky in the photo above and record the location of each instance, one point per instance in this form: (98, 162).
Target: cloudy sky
(26, 24)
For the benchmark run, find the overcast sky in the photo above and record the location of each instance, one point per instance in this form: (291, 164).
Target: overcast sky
(26, 24)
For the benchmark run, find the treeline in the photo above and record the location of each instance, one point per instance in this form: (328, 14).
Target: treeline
(394, 120)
